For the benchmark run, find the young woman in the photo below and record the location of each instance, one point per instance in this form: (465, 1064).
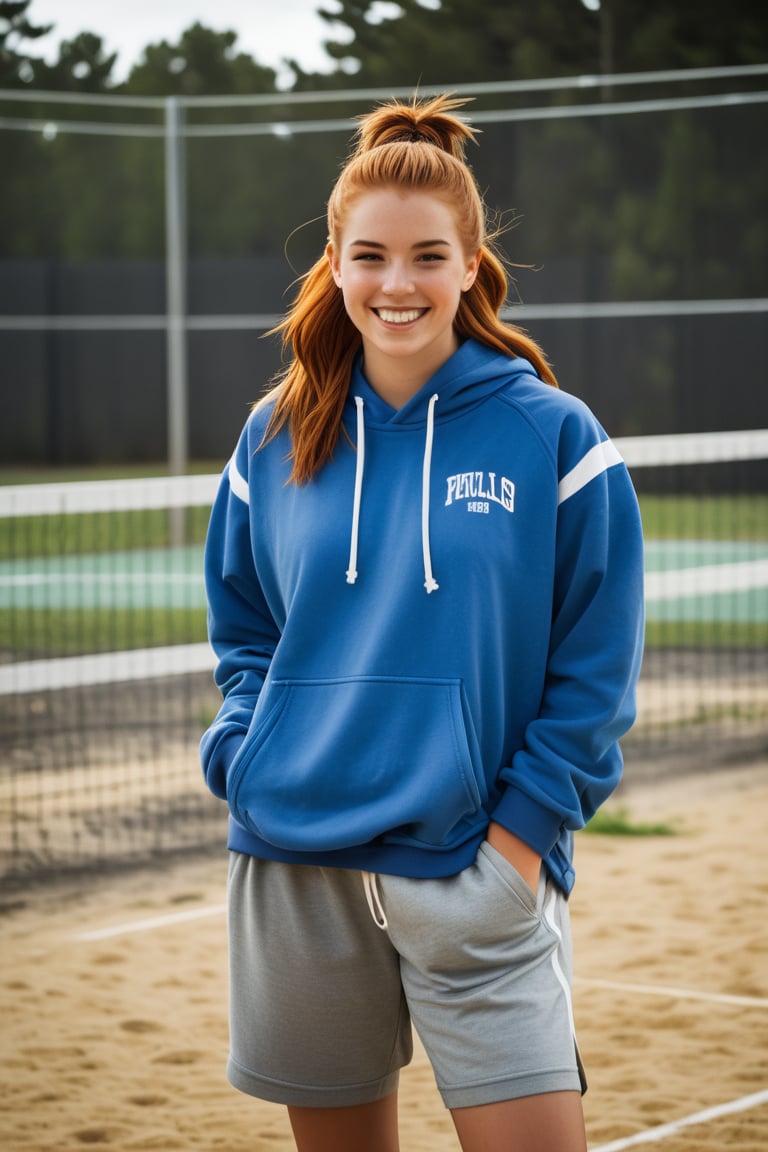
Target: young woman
(424, 571)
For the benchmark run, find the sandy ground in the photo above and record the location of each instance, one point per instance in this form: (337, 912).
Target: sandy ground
(120, 1040)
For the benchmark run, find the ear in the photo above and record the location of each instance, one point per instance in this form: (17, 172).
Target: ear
(473, 267)
(335, 265)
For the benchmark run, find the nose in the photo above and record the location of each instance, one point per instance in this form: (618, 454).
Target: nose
(397, 280)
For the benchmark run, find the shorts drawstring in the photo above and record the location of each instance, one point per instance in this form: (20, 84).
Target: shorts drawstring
(374, 900)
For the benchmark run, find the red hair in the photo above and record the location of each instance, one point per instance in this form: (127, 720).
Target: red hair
(416, 147)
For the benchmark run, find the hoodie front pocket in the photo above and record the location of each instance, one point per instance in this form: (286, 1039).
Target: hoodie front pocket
(336, 762)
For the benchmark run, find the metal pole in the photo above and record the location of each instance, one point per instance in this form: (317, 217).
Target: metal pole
(176, 302)
(607, 46)
(176, 306)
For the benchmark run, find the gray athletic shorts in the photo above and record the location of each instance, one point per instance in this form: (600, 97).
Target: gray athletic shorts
(322, 996)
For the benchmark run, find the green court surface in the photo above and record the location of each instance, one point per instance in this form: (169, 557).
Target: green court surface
(141, 579)
(707, 580)
(686, 580)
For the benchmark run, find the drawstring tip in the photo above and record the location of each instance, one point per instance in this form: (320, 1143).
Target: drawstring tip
(351, 577)
(431, 585)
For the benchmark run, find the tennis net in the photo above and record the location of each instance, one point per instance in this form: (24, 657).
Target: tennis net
(106, 674)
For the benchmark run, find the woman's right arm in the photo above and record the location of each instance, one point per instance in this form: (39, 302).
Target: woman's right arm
(241, 629)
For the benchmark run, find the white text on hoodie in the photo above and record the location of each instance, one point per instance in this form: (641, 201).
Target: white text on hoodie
(481, 486)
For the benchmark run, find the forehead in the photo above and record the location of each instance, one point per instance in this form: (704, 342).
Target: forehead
(400, 215)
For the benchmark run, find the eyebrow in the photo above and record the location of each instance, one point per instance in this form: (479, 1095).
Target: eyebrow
(419, 244)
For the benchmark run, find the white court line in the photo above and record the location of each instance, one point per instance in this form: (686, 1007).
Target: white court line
(154, 922)
(677, 993)
(706, 580)
(653, 1135)
(105, 668)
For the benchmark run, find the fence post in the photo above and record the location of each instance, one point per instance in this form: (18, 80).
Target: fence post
(176, 301)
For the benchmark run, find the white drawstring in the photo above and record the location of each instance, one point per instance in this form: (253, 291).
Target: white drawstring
(352, 570)
(374, 900)
(430, 583)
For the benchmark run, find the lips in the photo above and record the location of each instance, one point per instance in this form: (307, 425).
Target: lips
(399, 315)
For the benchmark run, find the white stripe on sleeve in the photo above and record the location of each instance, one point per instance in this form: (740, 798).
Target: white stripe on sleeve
(238, 483)
(599, 459)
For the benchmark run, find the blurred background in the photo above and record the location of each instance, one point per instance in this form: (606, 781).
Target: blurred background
(163, 185)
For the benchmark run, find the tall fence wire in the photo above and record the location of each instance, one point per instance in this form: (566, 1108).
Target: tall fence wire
(147, 246)
(106, 684)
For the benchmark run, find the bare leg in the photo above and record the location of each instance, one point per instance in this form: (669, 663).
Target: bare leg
(545, 1123)
(361, 1128)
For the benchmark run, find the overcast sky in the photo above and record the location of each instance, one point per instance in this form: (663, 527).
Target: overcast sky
(267, 29)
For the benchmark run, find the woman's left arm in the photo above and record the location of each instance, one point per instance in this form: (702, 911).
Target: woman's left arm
(571, 761)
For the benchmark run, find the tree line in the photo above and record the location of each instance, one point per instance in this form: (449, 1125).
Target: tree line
(409, 42)
(669, 205)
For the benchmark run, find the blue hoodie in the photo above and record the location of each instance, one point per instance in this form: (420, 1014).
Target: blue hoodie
(442, 628)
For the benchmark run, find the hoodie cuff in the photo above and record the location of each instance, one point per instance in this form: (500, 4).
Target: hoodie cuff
(218, 749)
(535, 825)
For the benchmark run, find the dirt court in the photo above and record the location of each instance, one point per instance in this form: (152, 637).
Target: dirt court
(114, 1014)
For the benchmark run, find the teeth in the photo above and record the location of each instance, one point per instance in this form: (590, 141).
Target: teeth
(391, 317)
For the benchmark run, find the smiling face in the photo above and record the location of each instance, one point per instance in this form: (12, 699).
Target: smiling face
(401, 267)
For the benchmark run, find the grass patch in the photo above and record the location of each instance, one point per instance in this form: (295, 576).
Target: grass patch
(91, 533)
(31, 634)
(741, 517)
(706, 634)
(617, 822)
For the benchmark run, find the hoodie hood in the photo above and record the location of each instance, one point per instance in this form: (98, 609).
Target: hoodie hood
(469, 377)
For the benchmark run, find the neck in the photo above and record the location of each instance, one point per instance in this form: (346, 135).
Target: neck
(395, 390)
(397, 381)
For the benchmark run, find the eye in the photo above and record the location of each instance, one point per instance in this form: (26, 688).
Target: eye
(431, 257)
(366, 256)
